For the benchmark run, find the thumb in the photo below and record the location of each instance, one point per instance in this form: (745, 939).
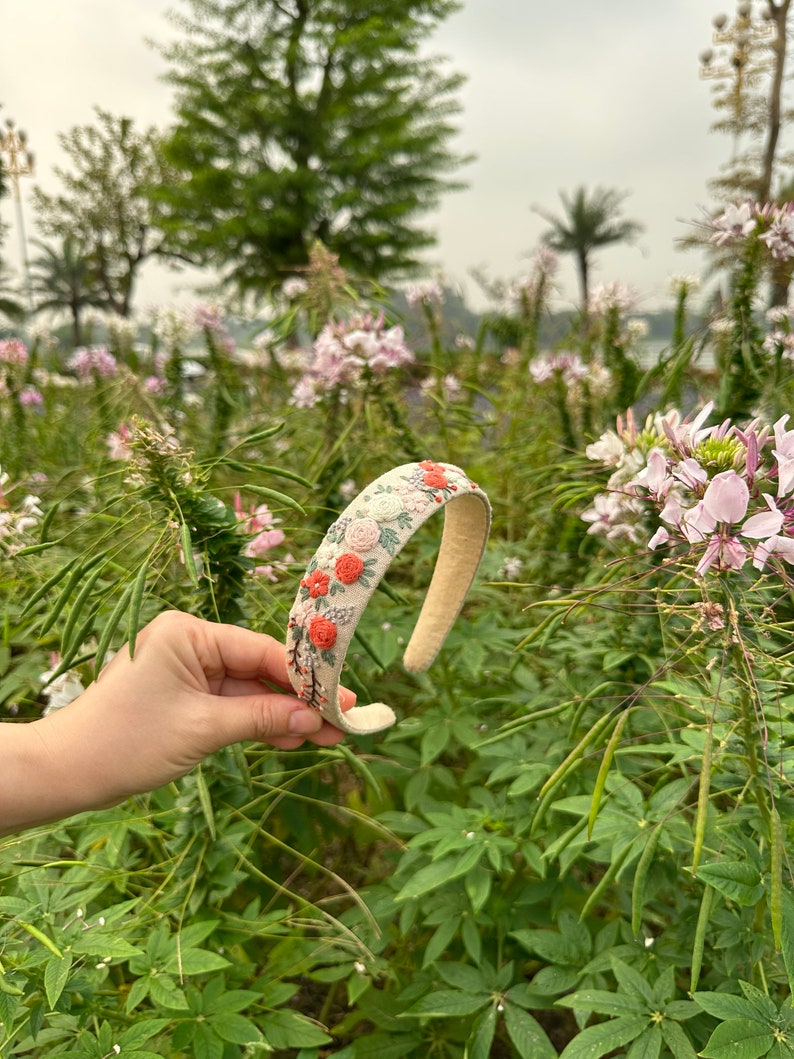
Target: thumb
(263, 716)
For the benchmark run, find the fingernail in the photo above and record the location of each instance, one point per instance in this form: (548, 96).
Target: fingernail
(304, 722)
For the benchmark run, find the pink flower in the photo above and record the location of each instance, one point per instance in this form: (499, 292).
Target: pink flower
(30, 396)
(13, 351)
(263, 542)
(727, 497)
(362, 534)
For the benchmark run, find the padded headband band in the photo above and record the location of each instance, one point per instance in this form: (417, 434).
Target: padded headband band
(350, 562)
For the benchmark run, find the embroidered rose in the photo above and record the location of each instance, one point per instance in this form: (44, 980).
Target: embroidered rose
(349, 568)
(322, 633)
(302, 613)
(362, 534)
(433, 474)
(317, 583)
(413, 500)
(385, 507)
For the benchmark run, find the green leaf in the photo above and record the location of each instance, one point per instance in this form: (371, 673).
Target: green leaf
(165, 992)
(462, 976)
(737, 880)
(290, 1029)
(447, 1003)
(234, 1028)
(527, 1034)
(739, 1039)
(138, 991)
(478, 886)
(427, 878)
(439, 943)
(479, 1043)
(677, 1041)
(56, 974)
(595, 1041)
(604, 1002)
(104, 944)
(647, 1046)
(206, 1044)
(195, 961)
(434, 742)
(205, 800)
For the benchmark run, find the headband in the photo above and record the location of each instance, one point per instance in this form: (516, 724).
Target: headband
(350, 562)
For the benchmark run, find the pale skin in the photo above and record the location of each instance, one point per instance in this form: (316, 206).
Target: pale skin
(192, 687)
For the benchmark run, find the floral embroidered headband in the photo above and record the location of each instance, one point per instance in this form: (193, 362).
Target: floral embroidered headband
(350, 562)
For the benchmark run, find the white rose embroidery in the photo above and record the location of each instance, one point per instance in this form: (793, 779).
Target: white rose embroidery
(385, 507)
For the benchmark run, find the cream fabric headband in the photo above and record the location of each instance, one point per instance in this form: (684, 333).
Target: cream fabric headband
(351, 560)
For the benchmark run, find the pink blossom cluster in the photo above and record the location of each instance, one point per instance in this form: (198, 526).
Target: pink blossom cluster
(569, 365)
(773, 225)
(209, 319)
(13, 351)
(425, 292)
(527, 289)
(345, 351)
(93, 360)
(261, 525)
(780, 339)
(608, 296)
(719, 494)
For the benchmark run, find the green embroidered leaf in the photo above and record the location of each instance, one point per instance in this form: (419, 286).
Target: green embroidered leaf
(389, 539)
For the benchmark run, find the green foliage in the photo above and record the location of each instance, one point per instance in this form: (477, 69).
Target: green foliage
(576, 840)
(317, 123)
(103, 206)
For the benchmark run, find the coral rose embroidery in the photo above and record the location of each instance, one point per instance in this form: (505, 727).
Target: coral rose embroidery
(317, 583)
(434, 475)
(349, 568)
(362, 534)
(385, 507)
(322, 633)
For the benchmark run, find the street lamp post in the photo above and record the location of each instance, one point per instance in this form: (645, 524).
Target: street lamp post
(18, 161)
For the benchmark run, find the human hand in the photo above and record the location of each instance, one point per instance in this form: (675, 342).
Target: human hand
(192, 688)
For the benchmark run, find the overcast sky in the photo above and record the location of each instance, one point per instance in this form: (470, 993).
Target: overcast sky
(558, 95)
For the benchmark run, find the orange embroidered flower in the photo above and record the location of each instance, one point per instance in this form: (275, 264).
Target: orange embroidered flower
(322, 633)
(317, 583)
(434, 475)
(349, 568)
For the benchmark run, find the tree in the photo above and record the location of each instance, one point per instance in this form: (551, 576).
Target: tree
(590, 222)
(63, 277)
(305, 121)
(103, 207)
(749, 68)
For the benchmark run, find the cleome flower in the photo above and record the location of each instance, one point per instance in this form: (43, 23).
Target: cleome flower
(716, 495)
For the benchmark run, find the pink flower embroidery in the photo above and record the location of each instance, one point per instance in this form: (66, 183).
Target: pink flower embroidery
(362, 534)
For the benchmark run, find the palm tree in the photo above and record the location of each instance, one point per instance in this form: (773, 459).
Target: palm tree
(62, 277)
(11, 306)
(590, 221)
